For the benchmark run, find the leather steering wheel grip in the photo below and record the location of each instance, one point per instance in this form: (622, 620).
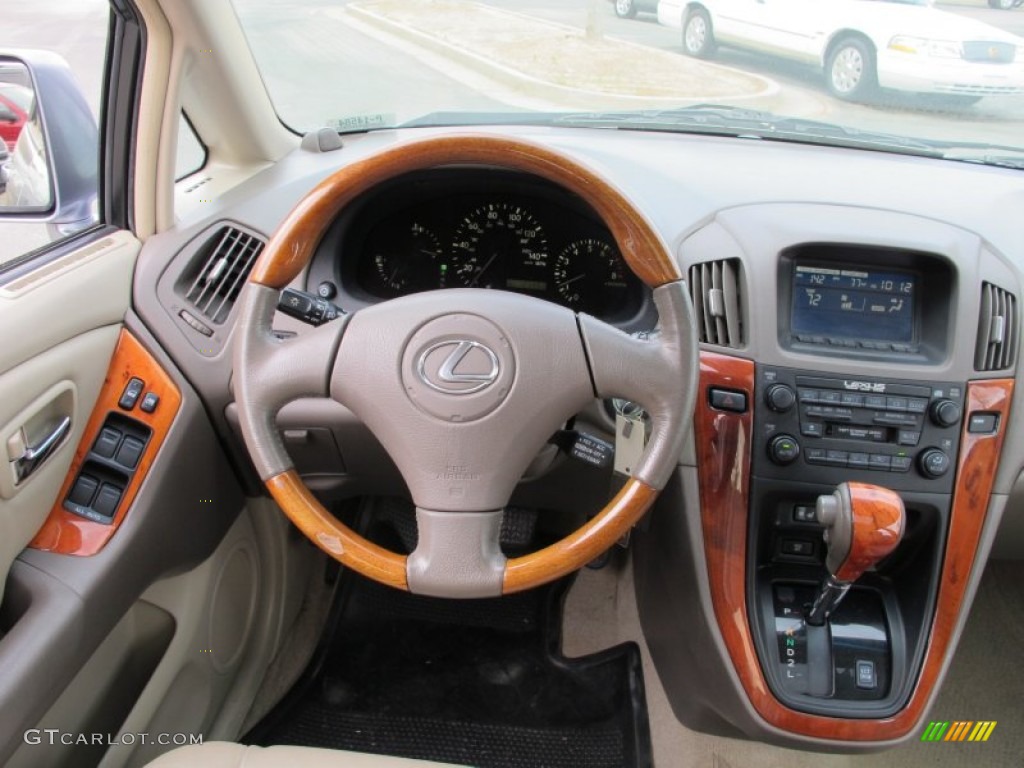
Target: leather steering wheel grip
(660, 374)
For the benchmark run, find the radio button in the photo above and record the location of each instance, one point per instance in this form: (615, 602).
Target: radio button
(874, 401)
(909, 437)
(917, 405)
(901, 463)
(880, 461)
(837, 458)
(896, 403)
(832, 398)
(858, 461)
(815, 455)
(808, 395)
(850, 398)
(812, 429)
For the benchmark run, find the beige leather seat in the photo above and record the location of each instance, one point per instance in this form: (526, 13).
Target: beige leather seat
(222, 754)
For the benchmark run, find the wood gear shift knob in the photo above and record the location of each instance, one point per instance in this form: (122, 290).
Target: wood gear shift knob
(863, 525)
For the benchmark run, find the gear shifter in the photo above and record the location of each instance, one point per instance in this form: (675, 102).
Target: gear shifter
(863, 524)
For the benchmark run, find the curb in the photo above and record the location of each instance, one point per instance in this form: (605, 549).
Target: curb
(576, 98)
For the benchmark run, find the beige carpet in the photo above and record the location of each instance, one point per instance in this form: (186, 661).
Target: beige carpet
(986, 682)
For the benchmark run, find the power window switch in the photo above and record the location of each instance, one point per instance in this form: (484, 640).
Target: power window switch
(83, 490)
(106, 443)
(106, 501)
(131, 451)
(866, 677)
(131, 394)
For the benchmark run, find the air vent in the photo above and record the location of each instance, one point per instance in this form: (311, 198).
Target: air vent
(226, 259)
(715, 290)
(997, 329)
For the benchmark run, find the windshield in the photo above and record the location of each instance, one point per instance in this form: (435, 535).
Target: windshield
(947, 75)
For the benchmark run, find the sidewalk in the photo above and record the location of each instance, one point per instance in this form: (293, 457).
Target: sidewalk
(555, 61)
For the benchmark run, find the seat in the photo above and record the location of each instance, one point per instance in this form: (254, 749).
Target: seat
(223, 754)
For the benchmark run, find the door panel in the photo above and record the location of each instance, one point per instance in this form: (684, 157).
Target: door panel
(59, 326)
(59, 608)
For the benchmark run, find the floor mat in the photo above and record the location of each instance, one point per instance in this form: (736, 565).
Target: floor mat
(474, 682)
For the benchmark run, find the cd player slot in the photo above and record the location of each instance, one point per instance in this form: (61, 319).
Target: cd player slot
(856, 432)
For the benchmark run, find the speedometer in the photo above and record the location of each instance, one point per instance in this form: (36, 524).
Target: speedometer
(591, 275)
(500, 245)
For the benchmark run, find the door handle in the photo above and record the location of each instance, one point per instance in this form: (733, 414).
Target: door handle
(34, 455)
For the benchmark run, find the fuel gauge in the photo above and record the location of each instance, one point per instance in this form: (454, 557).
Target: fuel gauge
(406, 259)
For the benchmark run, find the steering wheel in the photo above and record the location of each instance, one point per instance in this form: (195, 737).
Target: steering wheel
(463, 387)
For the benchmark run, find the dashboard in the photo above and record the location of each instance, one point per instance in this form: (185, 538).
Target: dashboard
(849, 331)
(480, 229)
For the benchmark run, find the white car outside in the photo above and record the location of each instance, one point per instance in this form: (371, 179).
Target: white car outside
(861, 45)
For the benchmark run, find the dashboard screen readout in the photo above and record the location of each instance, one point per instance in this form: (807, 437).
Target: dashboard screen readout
(853, 303)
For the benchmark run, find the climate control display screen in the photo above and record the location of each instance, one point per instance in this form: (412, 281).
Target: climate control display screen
(853, 303)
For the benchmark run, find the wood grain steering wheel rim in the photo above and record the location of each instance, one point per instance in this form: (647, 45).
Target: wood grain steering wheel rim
(292, 247)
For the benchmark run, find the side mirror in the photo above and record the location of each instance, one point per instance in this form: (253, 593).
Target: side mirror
(49, 159)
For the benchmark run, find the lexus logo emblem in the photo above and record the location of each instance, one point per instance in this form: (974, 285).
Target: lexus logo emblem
(458, 367)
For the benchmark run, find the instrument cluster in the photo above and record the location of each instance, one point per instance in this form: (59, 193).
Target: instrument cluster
(511, 236)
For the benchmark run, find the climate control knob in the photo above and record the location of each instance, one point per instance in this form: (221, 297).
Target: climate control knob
(945, 413)
(780, 397)
(933, 463)
(783, 449)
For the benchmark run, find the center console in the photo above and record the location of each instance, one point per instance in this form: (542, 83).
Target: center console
(815, 432)
(844, 355)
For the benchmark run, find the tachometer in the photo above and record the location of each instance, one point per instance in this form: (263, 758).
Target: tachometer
(500, 245)
(406, 258)
(591, 275)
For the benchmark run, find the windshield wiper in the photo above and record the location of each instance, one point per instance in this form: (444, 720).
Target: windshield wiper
(721, 120)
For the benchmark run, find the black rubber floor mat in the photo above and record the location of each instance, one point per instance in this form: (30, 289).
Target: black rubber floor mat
(471, 682)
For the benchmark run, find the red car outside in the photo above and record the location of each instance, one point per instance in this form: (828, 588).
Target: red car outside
(15, 105)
